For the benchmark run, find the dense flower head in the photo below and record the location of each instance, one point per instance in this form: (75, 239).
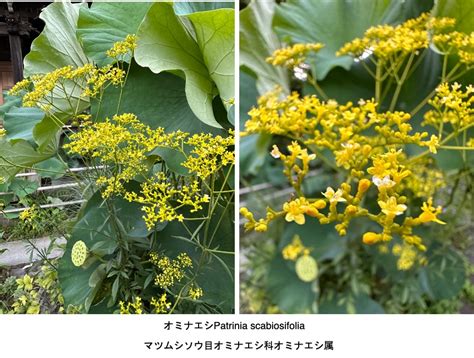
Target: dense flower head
(388, 42)
(170, 271)
(295, 249)
(209, 154)
(293, 56)
(41, 90)
(120, 48)
(195, 293)
(451, 105)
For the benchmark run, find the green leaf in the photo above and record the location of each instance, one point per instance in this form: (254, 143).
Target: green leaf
(93, 227)
(105, 23)
(165, 45)
(333, 23)
(215, 274)
(248, 96)
(173, 160)
(215, 37)
(8, 103)
(253, 153)
(286, 290)
(339, 304)
(19, 122)
(462, 11)
(51, 168)
(22, 188)
(445, 275)
(18, 156)
(57, 45)
(46, 132)
(158, 100)
(323, 240)
(186, 8)
(257, 42)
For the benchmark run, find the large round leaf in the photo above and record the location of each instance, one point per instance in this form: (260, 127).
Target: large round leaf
(186, 8)
(215, 37)
(214, 271)
(19, 122)
(164, 44)
(105, 23)
(286, 290)
(158, 100)
(17, 156)
(444, 276)
(57, 45)
(94, 227)
(257, 42)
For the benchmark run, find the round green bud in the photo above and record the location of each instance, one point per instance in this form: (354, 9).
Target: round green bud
(306, 268)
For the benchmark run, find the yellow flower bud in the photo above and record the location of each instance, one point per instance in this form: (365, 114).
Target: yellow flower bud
(371, 238)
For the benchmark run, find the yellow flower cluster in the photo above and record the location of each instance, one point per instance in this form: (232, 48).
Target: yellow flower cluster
(365, 143)
(195, 293)
(407, 256)
(29, 214)
(162, 198)
(451, 105)
(161, 305)
(343, 129)
(209, 154)
(296, 163)
(128, 45)
(99, 78)
(171, 271)
(295, 249)
(388, 42)
(293, 56)
(121, 142)
(134, 307)
(3, 132)
(456, 43)
(40, 89)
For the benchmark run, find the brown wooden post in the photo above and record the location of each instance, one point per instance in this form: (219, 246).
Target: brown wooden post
(15, 48)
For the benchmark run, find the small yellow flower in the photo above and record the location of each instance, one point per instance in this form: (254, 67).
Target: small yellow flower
(295, 211)
(432, 144)
(391, 207)
(195, 293)
(429, 213)
(293, 250)
(334, 196)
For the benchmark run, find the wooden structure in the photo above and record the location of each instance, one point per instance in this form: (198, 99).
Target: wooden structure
(19, 25)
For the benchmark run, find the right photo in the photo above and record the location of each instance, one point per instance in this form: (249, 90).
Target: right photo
(356, 157)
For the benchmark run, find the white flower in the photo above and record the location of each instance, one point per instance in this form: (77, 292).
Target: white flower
(275, 153)
(334, 196)
(385, 182)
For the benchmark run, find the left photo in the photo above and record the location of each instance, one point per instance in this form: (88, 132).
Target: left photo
(117, 157)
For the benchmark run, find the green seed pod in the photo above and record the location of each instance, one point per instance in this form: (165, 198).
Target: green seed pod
(79, 253)
(306, 268)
